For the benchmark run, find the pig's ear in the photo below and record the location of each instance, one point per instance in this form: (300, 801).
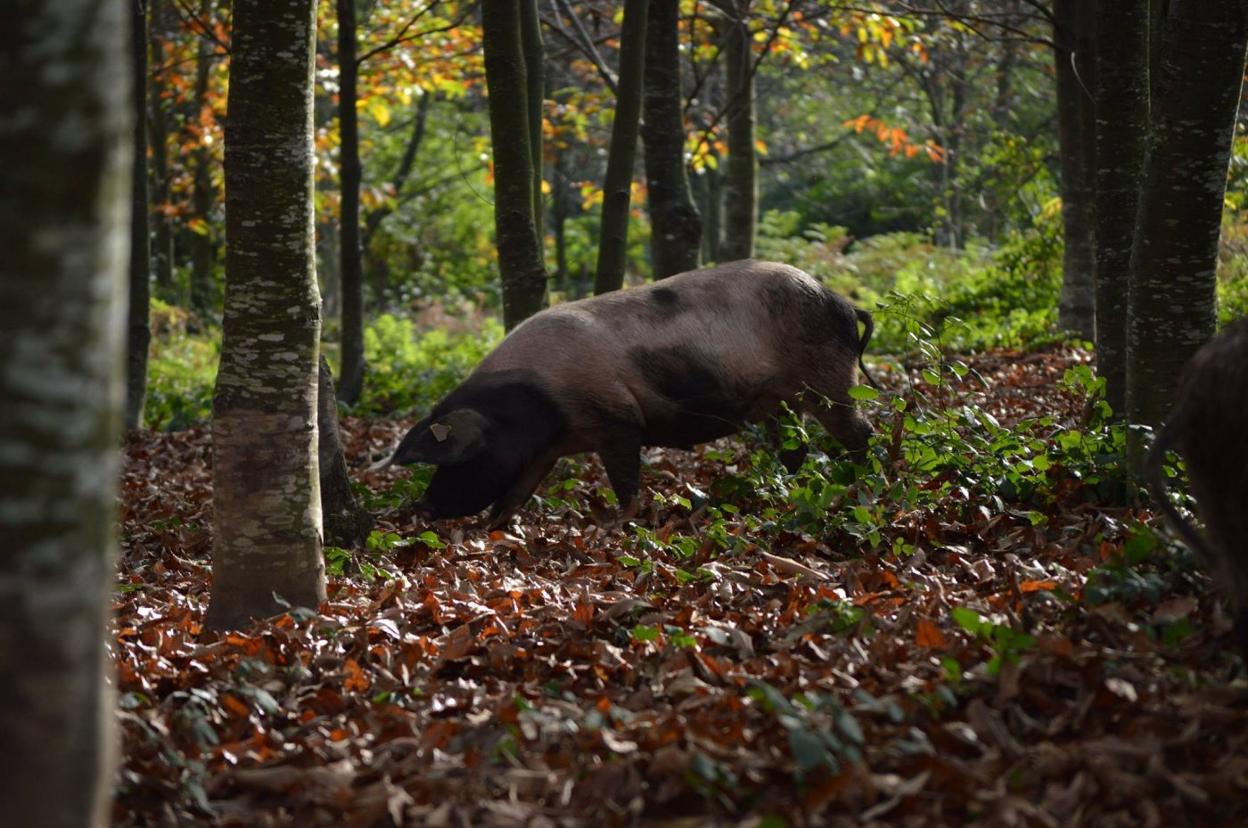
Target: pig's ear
(456, 436)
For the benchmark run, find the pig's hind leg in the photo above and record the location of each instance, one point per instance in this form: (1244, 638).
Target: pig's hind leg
(621, 457)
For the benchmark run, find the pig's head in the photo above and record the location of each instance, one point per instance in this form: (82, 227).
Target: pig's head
(482, 438)
(454, 437)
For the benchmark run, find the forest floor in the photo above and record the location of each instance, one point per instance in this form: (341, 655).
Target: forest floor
(1048, 666)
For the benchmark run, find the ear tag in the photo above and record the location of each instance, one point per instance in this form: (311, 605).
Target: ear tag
(440, 431)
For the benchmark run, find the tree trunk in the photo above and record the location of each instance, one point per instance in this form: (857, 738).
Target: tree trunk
(741, 173)
(1072, 36)
(203, 253)
(1122, 101)
(266, 484)
(139, 326)
(535, 92)
(351, 380)
(519, 248)
(158, 124)
(616, 190)
(65, 132)
(1174, 257)
(713, 233)
(347, 524)
(675, 226)
(559, 215)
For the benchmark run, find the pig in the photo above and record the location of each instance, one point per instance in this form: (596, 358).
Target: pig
(682, 361)
(1206, 427)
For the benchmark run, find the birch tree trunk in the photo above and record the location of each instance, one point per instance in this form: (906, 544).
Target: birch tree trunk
(741, 171)
(1122, 94)
(139, 326)
(617, 189)
(351, 379)
(65, 132)
(675, 226)
(515, 223)
(1174, 257)
(266, 489)
(1074, 68)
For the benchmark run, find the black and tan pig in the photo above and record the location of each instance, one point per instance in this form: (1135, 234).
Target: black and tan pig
(1206, 427)
(683, 361)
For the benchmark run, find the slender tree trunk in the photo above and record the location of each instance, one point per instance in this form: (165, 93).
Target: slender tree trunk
(347, 524)
(519, 248)
(1077, 305)
(203, 252)
(535, 91)
(713, 233)
(1122, 101)
(559, 216)
(139, 326)
(675, 226)
(65, 138)
(374, 217)
(351, 381)
(266, 483)
(1174, 257)
(741, 172)
(616, 191)
(158, 126)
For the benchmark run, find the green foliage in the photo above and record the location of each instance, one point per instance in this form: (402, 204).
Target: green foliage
(182, 367)
(410, 371)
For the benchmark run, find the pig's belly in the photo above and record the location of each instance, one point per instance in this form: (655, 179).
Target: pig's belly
(701, 421)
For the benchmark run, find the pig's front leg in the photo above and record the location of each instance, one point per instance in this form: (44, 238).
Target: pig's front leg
(507, 505)
(621, 457)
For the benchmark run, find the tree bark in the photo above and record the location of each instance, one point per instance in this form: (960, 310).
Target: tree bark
(1072, 38)
(203, 252)
(519, 248)
(675, 226)
(1122, 124)
(158, 125)
(535, 92)
(139, 326)
(1174, 256)
(741, 171)
(347, 524)
(65, 133)
(351, 380)
(266, 483)
(617, 189)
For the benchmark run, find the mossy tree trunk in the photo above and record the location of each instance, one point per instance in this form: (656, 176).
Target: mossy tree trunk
(351, 379)
(65, 133)
(520, 260)
(617, 189)
(1175, 251)
(1074, 66)
(266, 483)
(675, 226)
(138, 326)
(1122, 124)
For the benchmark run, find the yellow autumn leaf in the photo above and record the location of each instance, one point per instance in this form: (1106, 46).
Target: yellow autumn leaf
(380, 112)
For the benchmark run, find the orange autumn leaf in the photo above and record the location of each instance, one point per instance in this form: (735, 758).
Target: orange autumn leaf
(1036, 586)
(356, 680)
(235, 706)
(583, 613)
(928, 635)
